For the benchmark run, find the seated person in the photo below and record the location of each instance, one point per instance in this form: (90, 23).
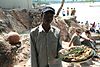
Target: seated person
(85, 37)
(88, 41)
(75, 40)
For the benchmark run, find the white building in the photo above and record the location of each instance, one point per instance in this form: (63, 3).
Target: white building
(25, 4)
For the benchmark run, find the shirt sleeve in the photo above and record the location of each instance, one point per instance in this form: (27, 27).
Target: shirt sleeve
(34, 62)
(73, 38)
(59, 46)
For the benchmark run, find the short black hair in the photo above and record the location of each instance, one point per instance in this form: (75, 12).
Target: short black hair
(87, 31)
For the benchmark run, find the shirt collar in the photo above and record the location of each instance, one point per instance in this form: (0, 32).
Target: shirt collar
(41, 28)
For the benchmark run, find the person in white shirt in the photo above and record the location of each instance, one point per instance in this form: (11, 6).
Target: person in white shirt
(98, 28)
(45, 42)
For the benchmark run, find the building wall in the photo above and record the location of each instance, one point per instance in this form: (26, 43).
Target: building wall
(27, 4)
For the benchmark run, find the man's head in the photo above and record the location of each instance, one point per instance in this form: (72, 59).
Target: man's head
(88, 33)
(47, 15)
(78, 31)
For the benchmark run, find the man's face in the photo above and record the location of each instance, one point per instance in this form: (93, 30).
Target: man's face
(88, 35)
(47, 17)
(78, 33)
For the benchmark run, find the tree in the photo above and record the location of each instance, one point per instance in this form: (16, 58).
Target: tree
(60, 8)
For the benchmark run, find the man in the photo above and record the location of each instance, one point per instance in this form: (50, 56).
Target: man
(75, 40)
(63, 12)
(87, 40)
(92, 29)
(90, 42)
(67, 11)
(45, 42)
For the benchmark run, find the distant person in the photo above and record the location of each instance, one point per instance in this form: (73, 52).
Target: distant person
(94, 24)
(73, 11)
(97, 29)
(45, 42)
(63, 12)
(87, 25)
(99, 25)
(67, 11)
(92, 29)
(82, 24)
